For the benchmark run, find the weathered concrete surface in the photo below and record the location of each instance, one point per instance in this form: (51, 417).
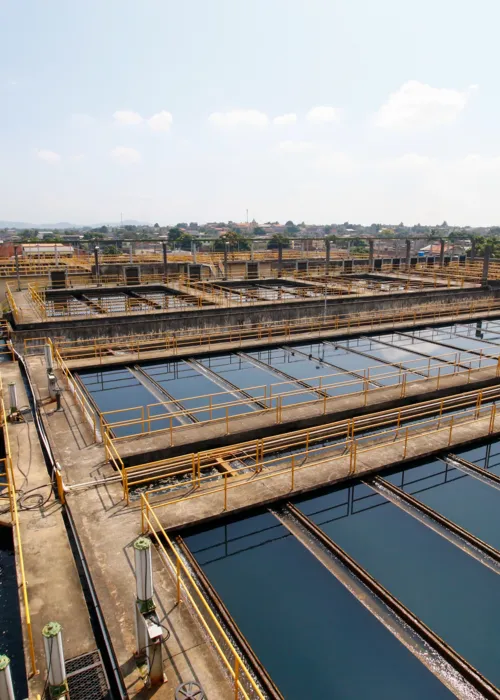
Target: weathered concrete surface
(195, 437)
(107, 530)
(54, 590)
(261, 312)
(254, 493)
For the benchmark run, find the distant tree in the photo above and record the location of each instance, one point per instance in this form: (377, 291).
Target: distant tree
(495, 231)
(183, 224)
(235, 240)
(291, 229)
(103, 229)
(185, 241)
(92, 236)
(259, 231)
(174, 234)
(156, 226)
(275, 240)
(193, 225)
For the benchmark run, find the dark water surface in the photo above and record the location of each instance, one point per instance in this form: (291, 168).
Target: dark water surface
(11, 640)
(454, 594)
(467, 501)
(312, 635)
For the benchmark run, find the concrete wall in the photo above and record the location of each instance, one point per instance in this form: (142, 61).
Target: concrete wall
(240, 316)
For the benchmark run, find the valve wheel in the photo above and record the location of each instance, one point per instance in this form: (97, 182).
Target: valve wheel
(189, 691)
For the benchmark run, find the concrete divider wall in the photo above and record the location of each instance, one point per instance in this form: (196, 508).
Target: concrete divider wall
(200, 319)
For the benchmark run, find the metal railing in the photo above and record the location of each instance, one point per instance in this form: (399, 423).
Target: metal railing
(86, 410)
(304, 450)
(241, 679)
(8, 473)
(274, 398)
(211, 337)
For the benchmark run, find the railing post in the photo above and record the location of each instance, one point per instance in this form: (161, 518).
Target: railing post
(178, 579)
(491, 427)
(225, 491)
(236, 677)
(451, 431)
(293, 473)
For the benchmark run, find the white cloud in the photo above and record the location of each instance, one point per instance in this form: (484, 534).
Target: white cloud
(125, 155)
(239, 117)
(82, 120)
(161, 121)
(127, 118)
(417, 105)
(323, 115)
(335, 162)
(48, 156)
(285, 119)
(78, 157)
(296, 146)
(408, 161)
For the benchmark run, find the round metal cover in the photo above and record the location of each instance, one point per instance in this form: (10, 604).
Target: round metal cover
(190, 691)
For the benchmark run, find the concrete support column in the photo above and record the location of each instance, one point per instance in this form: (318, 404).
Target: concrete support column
(486, 264)
(193, 252)
(408, 253)
(472, 249)
(371, 254)
(6, 687)
(131, 254)
(251, 251)
(441, 253)
(226, 263)
(96, 261)
(164, 253)
(280, 259)
(54, 658)
(328, 250)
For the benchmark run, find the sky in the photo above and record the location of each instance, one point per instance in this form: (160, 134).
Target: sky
(321, 111)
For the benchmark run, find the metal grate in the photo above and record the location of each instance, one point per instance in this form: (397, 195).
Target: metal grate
(86, 677)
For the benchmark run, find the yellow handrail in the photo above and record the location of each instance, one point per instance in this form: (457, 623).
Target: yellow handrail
(17, 530)
(183, 578)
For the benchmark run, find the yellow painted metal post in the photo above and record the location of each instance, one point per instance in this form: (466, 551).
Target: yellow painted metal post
(225, 490)
(236, 678)
(293, 472)
(451, 431)
(406, 444)
(493, 413)
(178, 567)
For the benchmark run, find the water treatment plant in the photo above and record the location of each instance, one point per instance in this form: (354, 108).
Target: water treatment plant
(250, 476)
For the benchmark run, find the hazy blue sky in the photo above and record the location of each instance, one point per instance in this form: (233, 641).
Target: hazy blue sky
(315, 110)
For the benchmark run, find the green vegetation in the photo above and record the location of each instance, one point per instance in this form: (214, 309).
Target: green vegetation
(275, 241)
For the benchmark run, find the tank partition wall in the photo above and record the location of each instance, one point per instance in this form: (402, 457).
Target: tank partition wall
(227, 325)
(334, 451)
